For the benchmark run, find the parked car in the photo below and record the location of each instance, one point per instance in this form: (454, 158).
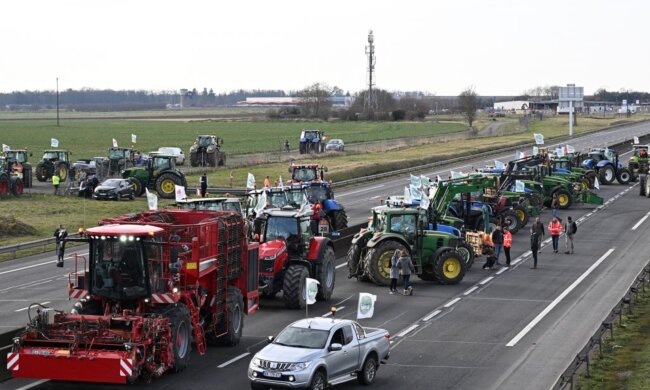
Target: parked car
(173, 151)
(314, 352)
(114, 189)
(335, 144)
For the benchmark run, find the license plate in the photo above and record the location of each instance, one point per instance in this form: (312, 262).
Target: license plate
(272, 374)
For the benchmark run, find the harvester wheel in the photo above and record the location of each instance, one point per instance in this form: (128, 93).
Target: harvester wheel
(41, 172)
(62, 169)
(467, 253)
(449, 268)
(326, 275)
(89, 307)
(138, 187)
(642, 180)
(623, 176)
(606, 174)
(234, 321)
(166, 185)
(16, 186)
(564, 197)
(353, 258)
(522, 214)
(5, 184)
(511, 220)
(340, 219)
(377, 261)
(181, 325)
(294, 294)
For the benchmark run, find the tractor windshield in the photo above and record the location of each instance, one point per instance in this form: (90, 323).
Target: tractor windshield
(50, 155)
(282, 228)
(311, 134)
(204, 142)
(315, 193)
(118, 268)
(20, 157)
(305, 174)
(297, 198)
(278, 199)
(160, 163)
(116, 154)
(596, 156)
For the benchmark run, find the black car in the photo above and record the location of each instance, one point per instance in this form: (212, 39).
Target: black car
(114, 189)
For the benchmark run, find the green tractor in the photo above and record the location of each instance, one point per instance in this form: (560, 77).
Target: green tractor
(206, 151)
(19, 159)
(639, 158)
(53, 161)
(160, 174)
(10, 180)
(118, 160)
(434, 253)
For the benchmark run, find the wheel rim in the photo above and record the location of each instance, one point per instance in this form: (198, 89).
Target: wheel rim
(511, 223)
(182, 339)
(563, 199)
(329, 275)
(236, 319)
(319, 383)
(370, 370)
(63, 173)
(609, 175)
(167, 186)
(451, 268)
(625, 176)
(520, 214)
(383, 264)
(464, 253)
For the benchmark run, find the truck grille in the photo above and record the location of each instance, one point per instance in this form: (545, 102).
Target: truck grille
(274, 366)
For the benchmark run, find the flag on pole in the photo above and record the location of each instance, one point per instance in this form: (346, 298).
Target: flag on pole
(636, 140)
(539, 138)
(250, 182)
(570, 149)
(366, 307)
(261, 203)
(519, 186)
(152, 200)
(5, 148)
(424, 182)
(134, 138)
(415, 181)
(499, 164)
(54, 143)
(535, 150)
(114, 143)
(280, 183)
(407, 195)
(180, 193)
(425, 202)
(311, 288)
(596, 183)
(559, 152)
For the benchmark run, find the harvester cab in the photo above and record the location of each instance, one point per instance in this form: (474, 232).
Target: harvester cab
(53, 161)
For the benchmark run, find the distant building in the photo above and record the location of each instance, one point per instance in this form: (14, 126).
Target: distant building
(517, 105)
(337, 101)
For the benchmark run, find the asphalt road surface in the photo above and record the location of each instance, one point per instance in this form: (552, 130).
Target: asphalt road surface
(510, 328)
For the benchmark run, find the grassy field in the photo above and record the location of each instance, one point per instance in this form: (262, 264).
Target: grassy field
(89, 138)
(186, 112)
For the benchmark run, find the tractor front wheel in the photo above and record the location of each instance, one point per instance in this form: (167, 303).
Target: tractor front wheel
(511, 220)
(522, 214)
(16, 186)
(564, 197)
(449, 268)
(326, 275)
(606, 174)
(180, 322)
(138, 187)
(339, 219)
(623, 176)
(356, 269)
(62, 169)
(378, 261)
(294, 293)
(42, 172)
(467, 253)
(166, 185)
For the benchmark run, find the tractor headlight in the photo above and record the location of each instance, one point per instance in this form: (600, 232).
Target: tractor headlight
(298, 366)
(272, 257)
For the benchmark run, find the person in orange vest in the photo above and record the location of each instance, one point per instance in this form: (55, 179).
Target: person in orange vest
(267, 182)
(555, 228)
(507, 243)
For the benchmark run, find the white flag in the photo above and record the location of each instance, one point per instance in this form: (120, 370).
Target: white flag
(535, 150)
(560, 152)
(152, 200)
(456, 175)
(198, 191)
(415, 192)
(438, 178)
(570, 149)
(180, 193)
(366, 306)
(261, 202)
(415, 181)
(636, 140)
(407, 195)
(134, 138)
(54, 143)
(114, 143)
(539, 139)
(499, 164)
(250, 182)
(5, 148)
(519, 186)
(280, 183)
(311, 288)
(424, 182)
(424, 202)
(596, 183)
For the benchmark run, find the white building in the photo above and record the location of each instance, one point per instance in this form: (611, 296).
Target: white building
(516, 105)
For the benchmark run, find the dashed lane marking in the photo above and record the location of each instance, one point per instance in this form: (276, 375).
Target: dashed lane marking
(236, 358)
(452, 302)
(482, 282)
(431, 315)
(641, 221)
(408, 330)
(471, 290)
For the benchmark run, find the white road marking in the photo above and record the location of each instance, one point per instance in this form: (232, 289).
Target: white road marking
(341, 265)
(375, 197)
(358, 191)
(452, 302)
(243, 355)
(25, 308)
(502, 270)
(482, 282)
(641, 221)
(471, 290)
(35, 284)
(330, 313)
(431, 315)
(408, 330)
(33, 384)
(557, 300)
(36, 265)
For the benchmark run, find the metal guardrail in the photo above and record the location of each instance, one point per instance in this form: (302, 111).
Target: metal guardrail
(568, 377)
(30, 245)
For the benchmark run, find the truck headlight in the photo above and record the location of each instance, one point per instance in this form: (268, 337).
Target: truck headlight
(298, 366)
(256, 362)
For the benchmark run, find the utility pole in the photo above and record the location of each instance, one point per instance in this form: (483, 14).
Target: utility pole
(57, 102)
(370, 102)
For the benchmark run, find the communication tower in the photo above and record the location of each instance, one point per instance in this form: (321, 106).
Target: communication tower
(370, 103)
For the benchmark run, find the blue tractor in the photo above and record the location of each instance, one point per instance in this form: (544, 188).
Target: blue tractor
(312, 141)
(606, 163)
(310, 176)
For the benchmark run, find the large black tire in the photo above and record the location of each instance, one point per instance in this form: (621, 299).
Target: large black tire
(511, 220)
(339, 219)
(377, 261)
(536, 200)
(221, 160)
(326, 275)
(293, 287)
(5, 184)
(301, 148)
(16, 186)
(591, 176)
(319, 381)
(623, 176)
(234, 321)
(467, 254)
(181, 324)
(564, 197)
(194, 161)
(606, 174)
(90, 307)
(642, 180)
(27, 176)
(522, 214)
(211, 159)
(356, 269)
(138, 186)
(449, 268)
(62, 170)
(165, 185)
(368, 371)
(42, 173)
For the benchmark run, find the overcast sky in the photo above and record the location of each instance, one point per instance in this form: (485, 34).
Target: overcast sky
(499, 47)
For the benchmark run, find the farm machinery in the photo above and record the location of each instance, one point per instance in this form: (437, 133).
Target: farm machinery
(118, 160)
(53, 161)
(155, 285)
(606, 163)
(21, 165)
(312, 141)
(206, 151)
(160, 174)
(11, 181)
(289, 253)
(639, 160)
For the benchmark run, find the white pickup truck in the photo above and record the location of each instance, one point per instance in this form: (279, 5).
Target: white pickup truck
(316, 352)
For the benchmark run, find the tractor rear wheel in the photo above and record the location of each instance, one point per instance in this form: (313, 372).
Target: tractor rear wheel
(467, 253)
(194, 161)
(511, 220)
(591, 176)
(138, 187)
(522, 214)
(564, 197)
(294, 294)
(301, 148)
(5, 184)
(326, 275)
(27, 176)
(353, 259)
(339, 219)
(16, 186)
(62, 170)
(181, 324)
(42, 173)
(623, 176)
(233, 322)
(642, 179)
(449, 268)
(211, 159)
(378, 259)
(166, 185)
(606, 174)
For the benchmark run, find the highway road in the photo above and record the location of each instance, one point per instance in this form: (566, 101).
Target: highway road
(507, 329)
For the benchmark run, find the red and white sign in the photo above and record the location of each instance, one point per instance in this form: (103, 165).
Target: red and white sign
(126, 367)
(75, 293)
(12, 361)
(162, 298)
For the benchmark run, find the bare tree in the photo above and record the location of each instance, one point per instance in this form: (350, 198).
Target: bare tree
(316, 100)
(468, 104)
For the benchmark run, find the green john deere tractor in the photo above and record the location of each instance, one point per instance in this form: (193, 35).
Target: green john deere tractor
(53, 161)
(118, 160)
(639, 158)
(434, 253)
(160, 174)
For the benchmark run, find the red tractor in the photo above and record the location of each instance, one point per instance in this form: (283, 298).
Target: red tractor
(154, 282)
(290, 253)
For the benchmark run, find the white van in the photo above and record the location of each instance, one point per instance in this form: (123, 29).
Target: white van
(172, 151)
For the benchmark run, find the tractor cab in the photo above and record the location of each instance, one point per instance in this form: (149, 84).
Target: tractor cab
(307, 173)
(213, 204)
(289, 225)
(206, 141)
(159, 163)
(19, 156)
(56, 155)
(297, 196)
(121, 153)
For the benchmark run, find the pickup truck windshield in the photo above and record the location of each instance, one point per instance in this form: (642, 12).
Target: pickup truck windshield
(302, 338)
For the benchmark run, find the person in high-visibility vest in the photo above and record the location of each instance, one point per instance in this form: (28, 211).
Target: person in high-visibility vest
(55, 183)
(555, 228)
(507, 243)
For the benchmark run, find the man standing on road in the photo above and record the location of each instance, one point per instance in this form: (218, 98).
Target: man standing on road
(570, 228)
(406, 266)
(59, 235)
(497, 240)
(536, 235)
(555, 228)
(507, 243)
(55, 182)
(555, 204)
(204, 184)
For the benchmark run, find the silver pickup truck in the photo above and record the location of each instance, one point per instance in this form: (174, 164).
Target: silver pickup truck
(316, 352)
